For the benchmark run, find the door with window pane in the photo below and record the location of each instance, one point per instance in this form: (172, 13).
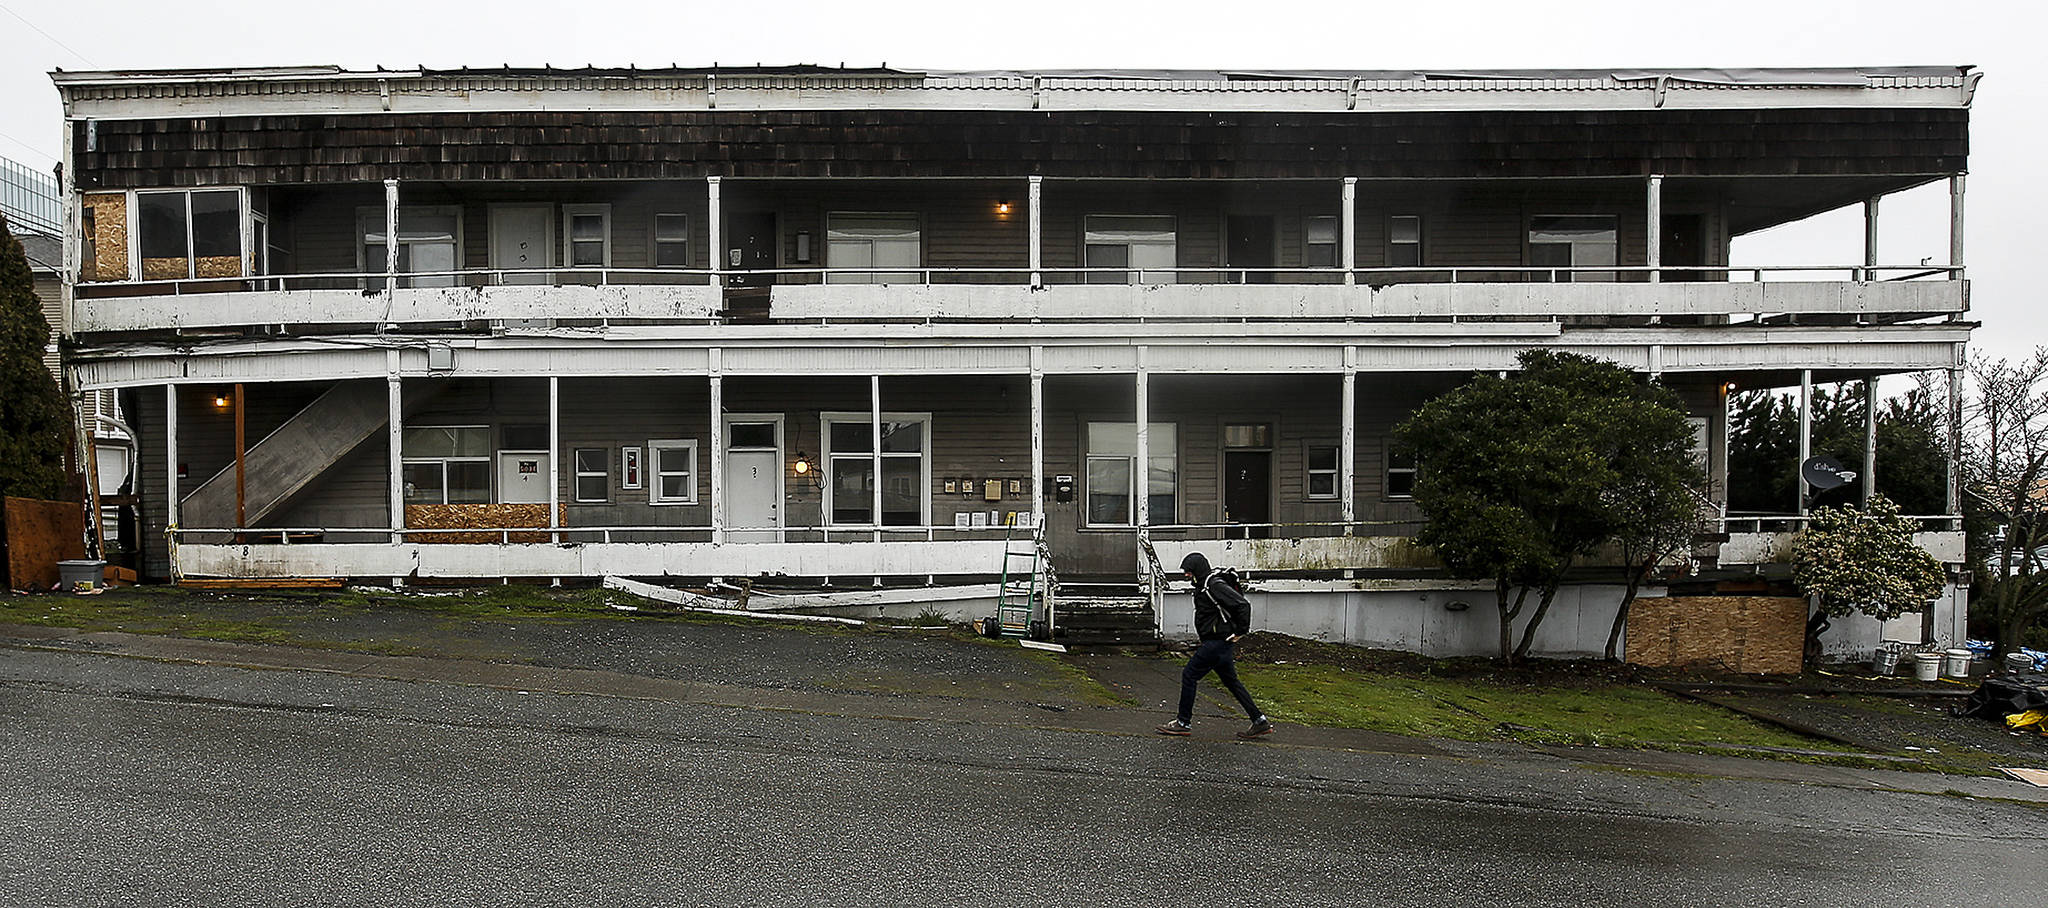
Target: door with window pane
(1144, 244)
(753, 478)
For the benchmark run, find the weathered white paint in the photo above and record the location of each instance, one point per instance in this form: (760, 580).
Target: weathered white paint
(1070, 349)
(1426, 621)
(1856, 637)
(171, 456)
(1348, 240)
(1776, 548)
(1653, 235)
(1347, 450)
(1098, 302)
(681, 559)
(1310, 554)
(407, 305)
(320, 90)
(1004, 302)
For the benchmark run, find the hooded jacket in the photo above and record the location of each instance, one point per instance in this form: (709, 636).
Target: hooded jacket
(1220, 611)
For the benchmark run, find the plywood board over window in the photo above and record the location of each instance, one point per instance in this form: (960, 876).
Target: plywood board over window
(106, 219)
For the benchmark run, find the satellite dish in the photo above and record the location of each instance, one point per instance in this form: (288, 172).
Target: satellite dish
(1823, 473)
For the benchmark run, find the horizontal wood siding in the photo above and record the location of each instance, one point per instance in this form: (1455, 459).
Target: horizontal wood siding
(581, 145)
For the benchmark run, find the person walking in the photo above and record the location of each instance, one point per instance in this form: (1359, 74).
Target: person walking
(1222, 617)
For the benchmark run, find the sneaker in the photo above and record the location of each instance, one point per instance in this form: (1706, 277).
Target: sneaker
(1176, 728)
(1261, 727)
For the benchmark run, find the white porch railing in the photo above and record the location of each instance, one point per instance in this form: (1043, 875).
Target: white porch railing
(1003, 294)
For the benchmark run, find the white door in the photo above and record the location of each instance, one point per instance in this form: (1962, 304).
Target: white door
(521, 237)
(523, 477)
(753, 478)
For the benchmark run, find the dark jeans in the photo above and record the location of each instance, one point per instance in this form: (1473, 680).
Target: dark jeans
(1219, 656)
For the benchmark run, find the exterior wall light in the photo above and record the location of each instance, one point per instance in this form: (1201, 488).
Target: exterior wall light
(1003, 208)
(220, 399)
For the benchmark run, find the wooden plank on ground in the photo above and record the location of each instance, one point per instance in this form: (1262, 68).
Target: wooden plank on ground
(261, 583)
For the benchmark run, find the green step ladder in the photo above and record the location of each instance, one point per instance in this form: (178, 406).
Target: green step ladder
(1019, 595)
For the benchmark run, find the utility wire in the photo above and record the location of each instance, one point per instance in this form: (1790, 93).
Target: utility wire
(53, 38)
(37, 151)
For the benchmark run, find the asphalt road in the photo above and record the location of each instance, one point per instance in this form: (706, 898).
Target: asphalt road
(130, 782)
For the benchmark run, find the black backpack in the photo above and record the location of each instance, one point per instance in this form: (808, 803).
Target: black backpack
(1230, 576)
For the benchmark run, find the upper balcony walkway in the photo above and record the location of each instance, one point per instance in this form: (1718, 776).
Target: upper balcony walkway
(1624, 295)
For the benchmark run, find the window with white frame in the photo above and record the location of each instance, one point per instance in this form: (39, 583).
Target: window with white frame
(1323, 475)
(1401, 471)
(1143, 243)
(852, 464)
(1113, 474)
(189, 233)
(429, 244)
(671, 241)
(446, 464)
(873, 240)
(593, 469)
(1574, 241)
(1319, 236)
(1404, 241)
(587, 236)
(674, 471)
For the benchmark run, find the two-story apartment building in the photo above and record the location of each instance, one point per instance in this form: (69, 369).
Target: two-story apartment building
(848, 327)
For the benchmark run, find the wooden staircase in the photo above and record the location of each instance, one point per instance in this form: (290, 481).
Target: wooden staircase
(1098, 615)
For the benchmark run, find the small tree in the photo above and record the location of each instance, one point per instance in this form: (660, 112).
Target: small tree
(1659, 514)
(2005, 472)
(1866, 562)
(1523, 477)
(34, 421)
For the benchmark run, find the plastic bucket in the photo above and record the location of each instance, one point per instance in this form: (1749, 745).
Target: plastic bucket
(1958, 663)
(2019, 662)
(1885, 662)
(80, 574)
(1927, 666)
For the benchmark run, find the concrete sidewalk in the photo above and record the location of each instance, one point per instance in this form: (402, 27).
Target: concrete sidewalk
(1142, 680)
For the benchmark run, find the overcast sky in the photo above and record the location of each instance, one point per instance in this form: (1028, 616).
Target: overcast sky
(2000, 37)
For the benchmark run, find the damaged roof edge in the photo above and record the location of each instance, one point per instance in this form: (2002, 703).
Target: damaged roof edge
(1759, 77)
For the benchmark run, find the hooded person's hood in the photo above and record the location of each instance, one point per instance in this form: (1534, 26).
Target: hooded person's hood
(1196, 564)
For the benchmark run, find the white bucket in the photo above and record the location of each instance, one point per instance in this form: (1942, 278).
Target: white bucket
(1927, 666)
(1958, 663)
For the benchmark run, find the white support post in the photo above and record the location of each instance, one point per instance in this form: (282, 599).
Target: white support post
(875, 450)
(1141, 479)
(717, 380)
(171, 465)
(1955, 434)
(1955, 221)
(1347, 453)
(390, 236)
(1869, 438)
(554, 457)
(715, 233)
(1035, 200)
(1805, 434)
(1348, 220)
(1141, 475)
(74, 252)
(394, 440)
(1653, 231)
(1038, 439)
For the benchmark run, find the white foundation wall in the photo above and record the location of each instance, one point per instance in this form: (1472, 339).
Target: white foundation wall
(1856, 638)
(1421, 620)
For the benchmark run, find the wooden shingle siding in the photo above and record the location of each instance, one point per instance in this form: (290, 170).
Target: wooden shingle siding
(304, 149)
